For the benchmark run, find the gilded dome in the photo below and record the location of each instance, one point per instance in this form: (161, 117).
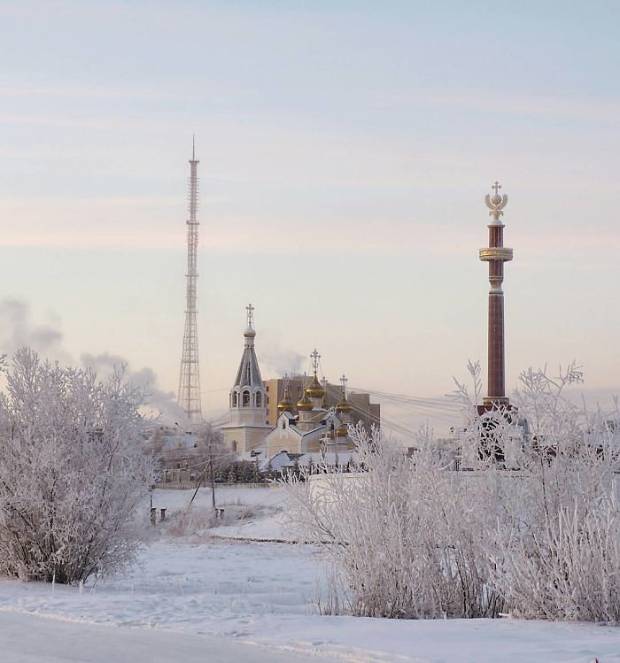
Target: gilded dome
(305, 404)
(285, 405)
(344, 406)
(315, 389)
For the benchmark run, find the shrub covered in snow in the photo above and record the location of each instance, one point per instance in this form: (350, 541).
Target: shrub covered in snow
(558, 531)
(401, 548)
(72, 472)
(532, 525)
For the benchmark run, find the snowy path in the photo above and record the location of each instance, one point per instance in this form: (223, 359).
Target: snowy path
(30, 639)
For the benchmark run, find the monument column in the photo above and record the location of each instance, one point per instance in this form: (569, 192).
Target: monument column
(496, 255)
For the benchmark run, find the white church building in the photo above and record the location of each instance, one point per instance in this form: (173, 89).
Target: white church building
(305, 427)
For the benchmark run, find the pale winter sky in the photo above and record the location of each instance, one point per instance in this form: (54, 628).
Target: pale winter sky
(345, 150)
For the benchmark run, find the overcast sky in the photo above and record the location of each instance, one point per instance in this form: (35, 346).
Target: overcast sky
(345, 151)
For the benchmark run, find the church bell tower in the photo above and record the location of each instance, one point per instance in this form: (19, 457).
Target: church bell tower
(247, 399)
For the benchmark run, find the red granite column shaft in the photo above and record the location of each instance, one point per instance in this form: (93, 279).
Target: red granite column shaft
(496, 377)
(496, 369)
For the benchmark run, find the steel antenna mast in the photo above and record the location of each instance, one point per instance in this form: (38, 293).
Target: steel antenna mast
(189, 379)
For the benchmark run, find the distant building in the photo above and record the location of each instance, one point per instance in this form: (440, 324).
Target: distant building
(284, 461)
(179, 454)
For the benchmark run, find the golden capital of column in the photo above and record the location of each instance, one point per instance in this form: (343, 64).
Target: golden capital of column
(495, 253)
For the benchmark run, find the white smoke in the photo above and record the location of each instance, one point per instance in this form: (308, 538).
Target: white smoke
(279, 360)
(162, 404)
(18, 329)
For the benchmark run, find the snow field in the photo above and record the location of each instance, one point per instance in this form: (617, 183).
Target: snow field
(265, 594)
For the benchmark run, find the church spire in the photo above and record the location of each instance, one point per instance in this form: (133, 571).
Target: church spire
(248, 397)
(315, 390)
(248, 374)
(343, 407)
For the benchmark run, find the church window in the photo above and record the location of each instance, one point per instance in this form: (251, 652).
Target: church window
(246, 399)
(234, 445)
(234, 399)
(259, 399)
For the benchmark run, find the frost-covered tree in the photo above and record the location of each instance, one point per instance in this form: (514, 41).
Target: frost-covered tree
(400, 546)
(211, 459)
(531, 525)
(558, 539)
(73, 473)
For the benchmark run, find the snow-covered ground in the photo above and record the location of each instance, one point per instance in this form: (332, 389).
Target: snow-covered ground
(31, 639)
(249, 513)
(188, 582)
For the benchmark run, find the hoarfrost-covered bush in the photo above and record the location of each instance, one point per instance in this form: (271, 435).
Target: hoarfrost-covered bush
(558, 553)
(391, 534)
(530, 523)
(73, 473)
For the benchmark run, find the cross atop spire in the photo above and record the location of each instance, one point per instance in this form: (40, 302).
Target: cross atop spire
(250, 309)
(343, 382)
(496, 187)
(316, 358)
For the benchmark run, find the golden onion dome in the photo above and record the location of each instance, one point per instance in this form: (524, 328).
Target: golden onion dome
(342, 431)
(315, 389)
(344, 406)
(305, 404)
(285, 404)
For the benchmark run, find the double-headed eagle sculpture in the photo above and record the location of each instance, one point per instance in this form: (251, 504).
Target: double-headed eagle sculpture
(496, 202)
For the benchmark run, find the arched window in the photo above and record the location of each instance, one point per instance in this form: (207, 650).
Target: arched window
(246, 399)
(259, 399)
(234, 446)
(234, 399)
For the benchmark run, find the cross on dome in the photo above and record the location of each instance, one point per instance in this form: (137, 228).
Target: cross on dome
(343, 382)
(315, 357)
(250, 309)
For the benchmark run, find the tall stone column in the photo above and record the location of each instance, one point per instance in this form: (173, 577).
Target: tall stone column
(496, 254)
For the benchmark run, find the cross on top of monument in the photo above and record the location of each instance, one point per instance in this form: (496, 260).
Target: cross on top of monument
(250, 309)
(496, 201)
(343, 382)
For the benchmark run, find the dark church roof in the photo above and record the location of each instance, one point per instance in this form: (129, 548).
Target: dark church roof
(248, 374)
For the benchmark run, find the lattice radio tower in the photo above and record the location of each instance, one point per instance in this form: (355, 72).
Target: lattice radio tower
(189, 379)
